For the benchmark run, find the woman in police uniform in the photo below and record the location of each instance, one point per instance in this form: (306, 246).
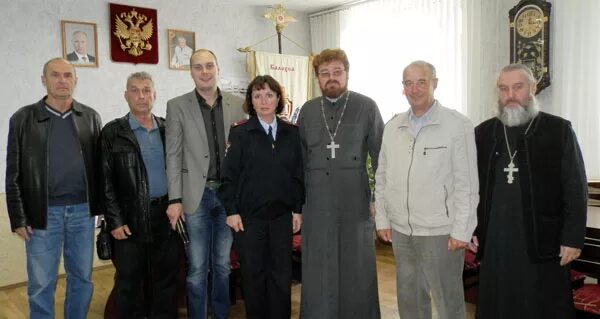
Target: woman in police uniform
(263, 193)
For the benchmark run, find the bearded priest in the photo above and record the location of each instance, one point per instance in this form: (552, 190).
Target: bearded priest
(532, 212)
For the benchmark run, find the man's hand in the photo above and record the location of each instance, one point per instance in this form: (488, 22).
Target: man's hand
(121, 232)
(174, 211)
(455, 244)
(296, 223)
(235, 222)
(385, 235)
(24, 232)
(474, 244)
(568, 254)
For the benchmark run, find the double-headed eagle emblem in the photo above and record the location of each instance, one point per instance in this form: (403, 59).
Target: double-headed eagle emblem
(136, 35)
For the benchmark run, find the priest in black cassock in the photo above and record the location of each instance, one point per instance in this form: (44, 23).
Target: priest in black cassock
(338, 130)
(532, 212)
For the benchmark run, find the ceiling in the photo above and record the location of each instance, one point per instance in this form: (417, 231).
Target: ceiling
(305, 6)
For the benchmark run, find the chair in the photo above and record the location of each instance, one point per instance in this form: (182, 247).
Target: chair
(235, 277)
(587, 296)
(297, 257)
(470, 276)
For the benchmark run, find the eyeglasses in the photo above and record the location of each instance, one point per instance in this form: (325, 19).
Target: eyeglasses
(419, 83)
(331, 73)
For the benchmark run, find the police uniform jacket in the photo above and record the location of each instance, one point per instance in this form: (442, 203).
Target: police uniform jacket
(259, 174)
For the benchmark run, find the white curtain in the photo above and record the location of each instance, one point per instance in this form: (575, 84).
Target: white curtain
(381, 37)
(575, 76)
(325, 30)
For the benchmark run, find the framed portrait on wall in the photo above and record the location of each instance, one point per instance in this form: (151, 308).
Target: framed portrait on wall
(181, 46)
(80, 43)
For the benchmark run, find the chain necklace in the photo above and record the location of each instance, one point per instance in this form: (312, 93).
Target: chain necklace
(510, 169)
(332, 145)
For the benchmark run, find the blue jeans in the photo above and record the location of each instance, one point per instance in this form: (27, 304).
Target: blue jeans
(209, 248)
(70, 227)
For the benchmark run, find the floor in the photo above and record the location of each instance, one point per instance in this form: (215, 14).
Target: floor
(13, 301)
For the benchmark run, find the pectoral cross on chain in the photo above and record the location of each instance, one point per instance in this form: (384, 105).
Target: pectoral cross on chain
(510, 170)
(332, 146)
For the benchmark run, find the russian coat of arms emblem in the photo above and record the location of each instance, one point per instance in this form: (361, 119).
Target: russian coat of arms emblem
(133, 30)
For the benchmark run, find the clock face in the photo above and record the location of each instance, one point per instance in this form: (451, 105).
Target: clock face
(529, 23)
(530, 38)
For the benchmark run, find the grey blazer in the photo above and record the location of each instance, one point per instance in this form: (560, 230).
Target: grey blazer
(187, 150)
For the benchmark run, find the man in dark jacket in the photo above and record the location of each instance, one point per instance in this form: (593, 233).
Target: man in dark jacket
(51, 191)
(532, 213)
(135, 190)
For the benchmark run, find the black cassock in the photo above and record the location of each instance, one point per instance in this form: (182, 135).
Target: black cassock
(510, 285)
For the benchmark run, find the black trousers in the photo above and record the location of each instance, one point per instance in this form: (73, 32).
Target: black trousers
(147, 271)
(265, 250)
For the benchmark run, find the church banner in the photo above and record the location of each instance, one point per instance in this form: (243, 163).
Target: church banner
(291, 71)
(133, 34)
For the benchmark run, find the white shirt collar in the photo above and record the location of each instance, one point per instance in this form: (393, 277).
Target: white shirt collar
(81, 56)
(266, 125)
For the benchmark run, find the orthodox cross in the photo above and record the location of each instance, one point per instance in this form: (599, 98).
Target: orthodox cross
(280, 18)
(332, 146)
(510, 170)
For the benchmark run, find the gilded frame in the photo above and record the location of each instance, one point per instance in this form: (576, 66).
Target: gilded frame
(180, 60)
(72, 34)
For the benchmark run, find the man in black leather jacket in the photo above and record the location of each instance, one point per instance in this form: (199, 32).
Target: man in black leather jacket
(135, 190)
(51, 191)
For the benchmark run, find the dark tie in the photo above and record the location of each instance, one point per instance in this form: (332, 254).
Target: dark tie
(270, 135)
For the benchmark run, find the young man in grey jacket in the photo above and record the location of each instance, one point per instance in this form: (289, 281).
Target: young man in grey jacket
(426, 197)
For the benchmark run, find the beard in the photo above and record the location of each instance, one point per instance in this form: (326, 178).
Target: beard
(519, 115)
(333, 92)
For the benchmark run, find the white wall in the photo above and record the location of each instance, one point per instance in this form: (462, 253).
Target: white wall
(489, 51)
(32, 35)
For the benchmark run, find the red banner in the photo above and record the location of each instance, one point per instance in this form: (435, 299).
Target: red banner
(133, 34)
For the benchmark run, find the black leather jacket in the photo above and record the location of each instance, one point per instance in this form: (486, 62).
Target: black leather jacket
(27, 162)
(125, 182)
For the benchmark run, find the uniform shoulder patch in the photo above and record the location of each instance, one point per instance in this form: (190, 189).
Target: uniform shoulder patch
(238, 123)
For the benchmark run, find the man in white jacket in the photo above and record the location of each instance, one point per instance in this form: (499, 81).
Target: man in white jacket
(426, 197)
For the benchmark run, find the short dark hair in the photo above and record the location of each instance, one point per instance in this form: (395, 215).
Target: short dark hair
(329, 55)
(259, 83)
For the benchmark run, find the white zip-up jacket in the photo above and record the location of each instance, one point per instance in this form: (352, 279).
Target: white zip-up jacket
(427, 185)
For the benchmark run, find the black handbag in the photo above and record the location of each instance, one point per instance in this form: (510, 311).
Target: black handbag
(103, 242)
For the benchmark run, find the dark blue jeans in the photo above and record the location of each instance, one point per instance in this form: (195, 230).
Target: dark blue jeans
(209, 248)
(70, 229)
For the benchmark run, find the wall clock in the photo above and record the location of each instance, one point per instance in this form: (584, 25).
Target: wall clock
(530, 38)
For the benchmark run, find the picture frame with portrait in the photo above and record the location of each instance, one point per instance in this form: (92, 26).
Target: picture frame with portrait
(182, 45)
(80, 43)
